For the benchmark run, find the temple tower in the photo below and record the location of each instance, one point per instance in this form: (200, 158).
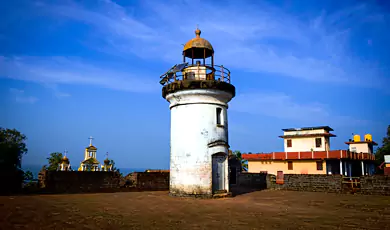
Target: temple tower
(107, 166)
(65, 163)
(198, 92)
(90, 163)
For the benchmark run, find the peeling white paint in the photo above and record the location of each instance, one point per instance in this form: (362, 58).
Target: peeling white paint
(195, 137)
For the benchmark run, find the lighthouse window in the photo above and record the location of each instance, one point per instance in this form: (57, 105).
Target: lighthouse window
(219, 116)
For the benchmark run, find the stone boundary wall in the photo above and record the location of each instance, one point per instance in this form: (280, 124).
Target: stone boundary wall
(308, 182)
(78, 182)
(375, 185)
(370, 185)
(251, 180)
(82, 182)
(151, 180)
(11, 181)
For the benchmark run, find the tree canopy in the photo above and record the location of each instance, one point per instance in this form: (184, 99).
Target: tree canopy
(54, 160)
(383, 150)
(244, 163)
(112, 162)
(12, 148)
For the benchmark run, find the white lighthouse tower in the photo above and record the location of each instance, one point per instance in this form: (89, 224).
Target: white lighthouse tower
(198, 92)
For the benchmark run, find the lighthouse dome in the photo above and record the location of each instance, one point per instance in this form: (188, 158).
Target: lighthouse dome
(198, 47)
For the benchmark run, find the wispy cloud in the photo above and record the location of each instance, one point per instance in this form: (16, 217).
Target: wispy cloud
(20, 96)
(55, 90)
(265, 38)
(282, 106)
(60, 70)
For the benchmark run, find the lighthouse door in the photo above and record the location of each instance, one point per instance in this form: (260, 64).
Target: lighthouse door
(218, 172)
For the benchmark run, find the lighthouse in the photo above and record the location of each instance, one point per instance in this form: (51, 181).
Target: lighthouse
(198, 92)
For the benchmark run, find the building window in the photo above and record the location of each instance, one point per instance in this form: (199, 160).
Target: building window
(318, 142)
(319, 166)
(290, 165)
(219, 116)
(289, 143)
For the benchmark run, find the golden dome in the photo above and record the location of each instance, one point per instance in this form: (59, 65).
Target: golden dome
(199, 45)
(65, 160)
(106, 161)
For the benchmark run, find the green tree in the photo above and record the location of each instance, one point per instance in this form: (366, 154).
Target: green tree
(115, 169)
(12, 148)
(112, 162)
(383, 150)
(54, 160)
(244, 163)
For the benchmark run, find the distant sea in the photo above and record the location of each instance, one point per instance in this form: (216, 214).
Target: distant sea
(36, 168)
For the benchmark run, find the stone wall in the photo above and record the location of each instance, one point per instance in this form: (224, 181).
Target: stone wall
(370, 185)
(375, 185)
(251, 180)
(152, 180)
(11, 181)
(78, 182)
(308, 182)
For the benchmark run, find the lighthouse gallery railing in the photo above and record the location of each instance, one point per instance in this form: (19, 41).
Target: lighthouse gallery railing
(196, 72)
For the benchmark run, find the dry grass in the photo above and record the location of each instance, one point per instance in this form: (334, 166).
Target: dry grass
(156, 210)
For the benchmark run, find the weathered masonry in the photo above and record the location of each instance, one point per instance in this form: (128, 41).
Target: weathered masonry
(198, 92)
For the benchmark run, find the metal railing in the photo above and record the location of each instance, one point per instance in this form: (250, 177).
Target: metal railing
(197, 72)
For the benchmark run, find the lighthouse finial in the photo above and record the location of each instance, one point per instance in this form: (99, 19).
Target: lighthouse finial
(197, 31)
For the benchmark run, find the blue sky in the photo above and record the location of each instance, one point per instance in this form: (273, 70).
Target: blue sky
(71, 69)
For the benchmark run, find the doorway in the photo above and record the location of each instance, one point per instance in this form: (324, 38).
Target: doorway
(218, 172)
(233, 175)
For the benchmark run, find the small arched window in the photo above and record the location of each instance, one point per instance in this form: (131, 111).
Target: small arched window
(219, 116)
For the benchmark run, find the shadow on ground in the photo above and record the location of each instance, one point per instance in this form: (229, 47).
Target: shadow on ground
(243, 190)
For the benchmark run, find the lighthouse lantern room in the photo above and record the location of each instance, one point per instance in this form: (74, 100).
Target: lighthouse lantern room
(198, 92)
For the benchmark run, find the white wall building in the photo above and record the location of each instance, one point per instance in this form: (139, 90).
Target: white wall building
(357, 145)
(307, 139)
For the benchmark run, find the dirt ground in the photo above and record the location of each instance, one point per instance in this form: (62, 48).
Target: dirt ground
(156, 210)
